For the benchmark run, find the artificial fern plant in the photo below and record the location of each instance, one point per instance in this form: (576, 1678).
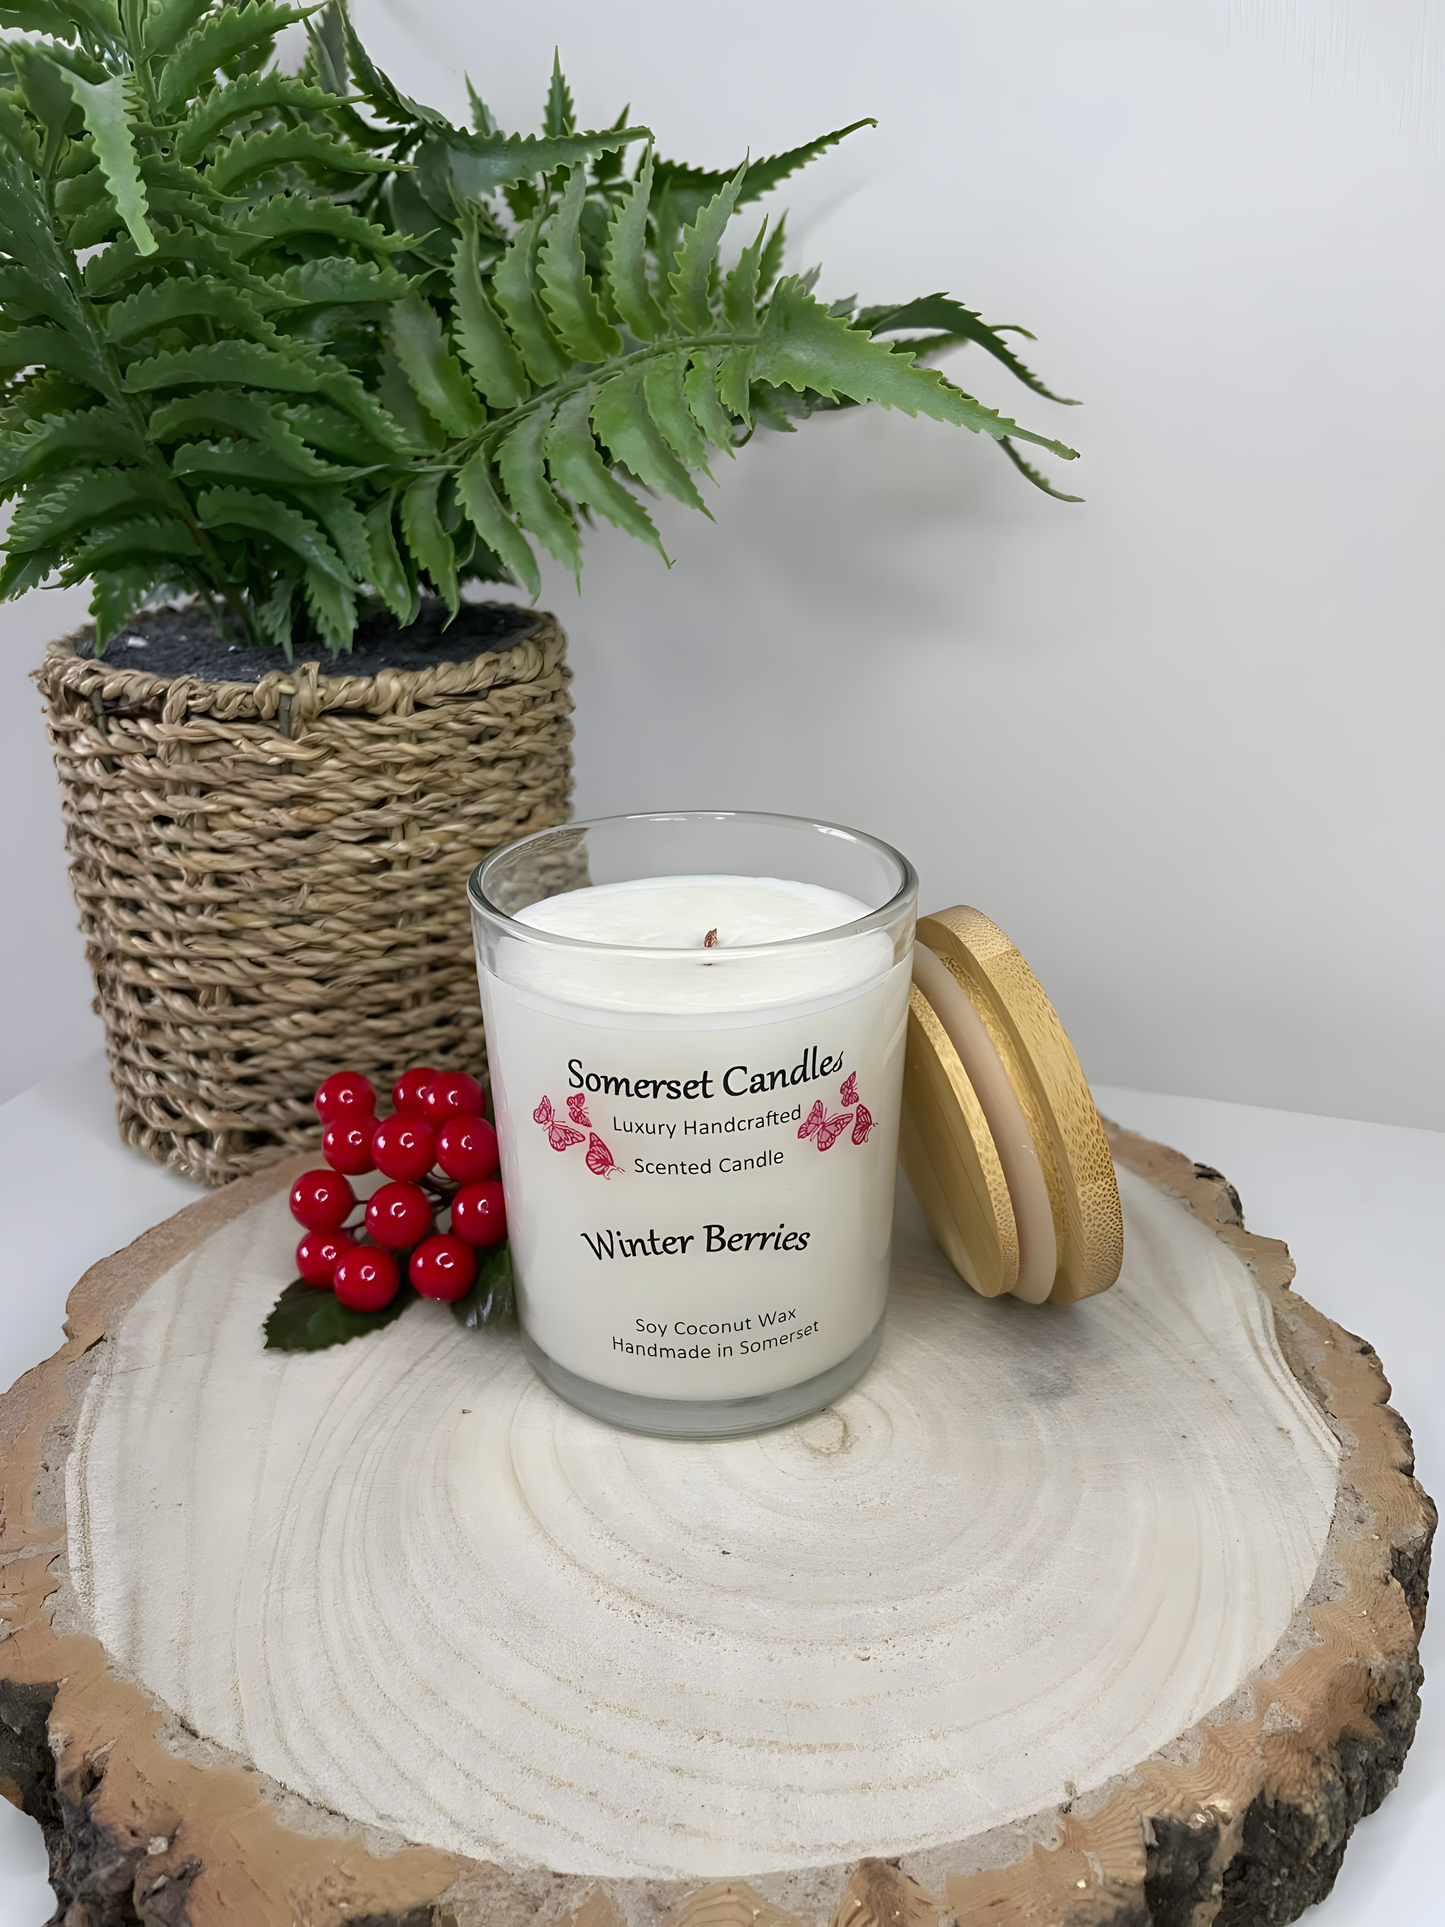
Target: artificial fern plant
(293, 343)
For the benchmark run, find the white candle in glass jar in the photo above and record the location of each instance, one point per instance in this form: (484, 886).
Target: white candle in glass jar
(699, 1137)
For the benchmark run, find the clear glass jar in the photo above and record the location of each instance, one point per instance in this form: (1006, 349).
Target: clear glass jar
(695, 1026)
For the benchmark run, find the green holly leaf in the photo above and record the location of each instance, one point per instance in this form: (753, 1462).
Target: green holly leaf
(492, 1299)
(306, 1318)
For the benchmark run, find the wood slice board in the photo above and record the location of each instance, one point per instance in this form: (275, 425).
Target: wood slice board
(1094, 1615)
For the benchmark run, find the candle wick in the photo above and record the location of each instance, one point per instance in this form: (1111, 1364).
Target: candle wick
(710, 940)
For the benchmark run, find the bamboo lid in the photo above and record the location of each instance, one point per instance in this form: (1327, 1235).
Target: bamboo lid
(1001, 1140)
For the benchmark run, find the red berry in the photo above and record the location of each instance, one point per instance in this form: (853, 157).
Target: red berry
(453, 1094)
(479, 1213)
(317, 1255)
(366, 1279)
(345, 1094)
(409, 1091)
(346, 1145)
(466, 1149)
(321, 1200)
(399, 1215)
(443, 1267)
(404, 1146)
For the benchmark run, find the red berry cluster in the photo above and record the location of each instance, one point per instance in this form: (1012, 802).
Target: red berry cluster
(436, 1124)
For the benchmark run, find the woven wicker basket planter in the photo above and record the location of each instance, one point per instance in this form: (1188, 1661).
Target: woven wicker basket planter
(271, 875)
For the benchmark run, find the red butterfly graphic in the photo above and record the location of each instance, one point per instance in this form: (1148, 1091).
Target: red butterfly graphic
(577, 1109)
(862, 1124)
(849, 1093)
(560, 1136)
(600, 1160)
(824, 1130)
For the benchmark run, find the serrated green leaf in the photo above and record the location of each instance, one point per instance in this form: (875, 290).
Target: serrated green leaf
(956, 323)
(740, 289)
(385, 570)
(559, 115)
(273, 615)
(583, 329)
(344, 523)
(515, 290)
(373, 85)
(1031, 474)
(482, 163)
(247, 362)
(43, 346)
(337, 280)
(770, 266)
(38, 16)
(19, 289)
(667, 404)
(344, 391)
(486, 347)
(180, 298)
(169, 22)
(254, 93)
(433, 371)
(43, 73)
(621, 418)
(108, 548)
(242, 460)
(265, 422)
(493, 524)
(92, 434)
(18, 133)
(338, 434)
(492, 1299)
(483, 119)
(690, 187)
(625, 259)
(804, 347)
(117, 594)
(284, 216)
(219, 508)
(333, 609)
(307, 1319)
(700, 386)
(217, 40)
(251, 155)
(691, 279)
(735, 383)
(576, 467)
(24, 572)
(79, 502)
(520, 464)
(428, 540)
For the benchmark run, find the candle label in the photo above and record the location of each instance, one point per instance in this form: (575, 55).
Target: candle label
(699, 1213)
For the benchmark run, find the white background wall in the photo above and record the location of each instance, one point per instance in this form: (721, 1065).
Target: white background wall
(1183, 742)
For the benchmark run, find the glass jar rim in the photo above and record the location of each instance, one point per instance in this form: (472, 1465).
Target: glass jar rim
(879, 919)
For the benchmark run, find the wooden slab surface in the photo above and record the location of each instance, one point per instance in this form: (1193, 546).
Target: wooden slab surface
(1058, 1614)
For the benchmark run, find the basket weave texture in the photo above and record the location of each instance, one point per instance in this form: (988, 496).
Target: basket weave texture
(272, 876)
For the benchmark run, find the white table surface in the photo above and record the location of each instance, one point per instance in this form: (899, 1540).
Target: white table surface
(1356, 1203)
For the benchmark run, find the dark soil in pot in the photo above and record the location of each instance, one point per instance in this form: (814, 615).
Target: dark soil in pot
(185, 642)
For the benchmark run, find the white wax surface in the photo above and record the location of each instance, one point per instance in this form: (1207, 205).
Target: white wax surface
(674, 914)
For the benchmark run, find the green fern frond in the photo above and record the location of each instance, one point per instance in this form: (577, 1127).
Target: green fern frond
(440, 383)
(221, 508)
(578, 469)
(218, 38)
(560, 116)
(583, 330)
(485, 345)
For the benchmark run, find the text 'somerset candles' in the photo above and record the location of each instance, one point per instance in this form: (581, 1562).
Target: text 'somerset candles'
(697, 1076)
